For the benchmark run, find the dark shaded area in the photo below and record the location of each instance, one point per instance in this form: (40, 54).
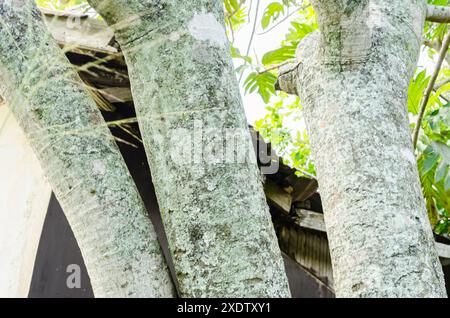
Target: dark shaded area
(58, 247)
(57, 250)
(445, 262)
(302, 283)
(447, 278)
(136, 161)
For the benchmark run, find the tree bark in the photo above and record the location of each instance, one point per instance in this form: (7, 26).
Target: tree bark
(353, 79)
(439, 14)
(80, 159)
(186, 95)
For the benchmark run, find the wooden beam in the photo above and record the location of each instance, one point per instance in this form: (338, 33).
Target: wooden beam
(104, 79)
(310, 220)
(303, 187)
(76, 30)
(305, 283)
(315, 221)
(443, 250)
(277, 197)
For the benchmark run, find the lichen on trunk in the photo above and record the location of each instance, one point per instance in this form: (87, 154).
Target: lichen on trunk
(80, 159)
(186, 95)
(353, 79)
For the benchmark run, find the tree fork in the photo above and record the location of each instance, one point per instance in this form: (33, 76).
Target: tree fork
(353, 79)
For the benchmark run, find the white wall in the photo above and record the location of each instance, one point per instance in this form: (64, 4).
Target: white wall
(24, 198)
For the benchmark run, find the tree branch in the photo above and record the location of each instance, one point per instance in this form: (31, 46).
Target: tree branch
(436, 45)
(438, 14)
(440, 84)
(430, 87)
(287, 78)
(252, 34)
(274, 67)
(289, 74)
(284, 19)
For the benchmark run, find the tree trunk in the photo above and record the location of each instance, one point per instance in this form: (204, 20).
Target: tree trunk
(353, 80)
(187, 98)
(80, 159)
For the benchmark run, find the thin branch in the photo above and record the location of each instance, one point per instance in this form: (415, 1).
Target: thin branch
(249, 19)
(253, 29)
(274, 67)
(442, 83)
(306, 173)
(252, 35)
(436, 45)
(438, 86)
(231, 30)
(444, 98)
(284, 19)
(438, 14)
(232, 13)
(423, 106)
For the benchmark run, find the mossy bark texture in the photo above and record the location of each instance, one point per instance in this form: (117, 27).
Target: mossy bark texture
(353, 80)
(215, 214)
(80, 159)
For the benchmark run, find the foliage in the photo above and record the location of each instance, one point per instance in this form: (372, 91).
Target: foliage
(433, 163)
(433, 151)
(292, 144)
(282, 123)
(59, 4)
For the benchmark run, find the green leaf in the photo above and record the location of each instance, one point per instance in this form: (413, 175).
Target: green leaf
(299, 30)
(279, 55)
(263, 82)
(429, 162)
(236, 54)
(447, 183)
(231, 6)
(441, 171)
(272, 12)
(415, 91)
(444, 88)
(239, 70)
(441, 227)
(443, 150)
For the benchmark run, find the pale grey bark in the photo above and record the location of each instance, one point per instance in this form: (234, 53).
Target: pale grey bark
(353, 79)
(80, 159)
(439, 14)
(217, 221)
